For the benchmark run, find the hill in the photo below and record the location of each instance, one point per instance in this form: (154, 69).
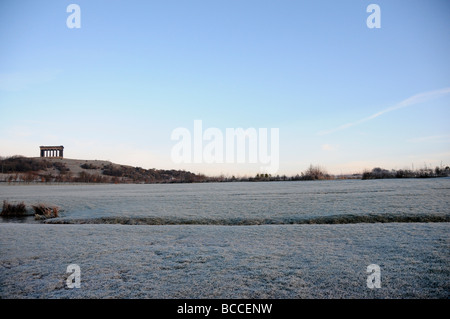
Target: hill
(47, 169)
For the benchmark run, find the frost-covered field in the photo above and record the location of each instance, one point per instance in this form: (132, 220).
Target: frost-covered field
(241, 203)
(194, 261)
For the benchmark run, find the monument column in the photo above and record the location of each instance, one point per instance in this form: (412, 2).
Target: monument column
(52, 151)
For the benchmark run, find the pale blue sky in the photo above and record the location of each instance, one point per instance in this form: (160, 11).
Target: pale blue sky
(342, 95)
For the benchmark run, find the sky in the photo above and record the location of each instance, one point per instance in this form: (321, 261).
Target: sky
(342, 95)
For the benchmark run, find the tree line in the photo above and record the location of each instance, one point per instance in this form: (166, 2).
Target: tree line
(22, 169)
(425, 172)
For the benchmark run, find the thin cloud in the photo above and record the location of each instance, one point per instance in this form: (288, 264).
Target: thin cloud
(415, 99)
(329, 147)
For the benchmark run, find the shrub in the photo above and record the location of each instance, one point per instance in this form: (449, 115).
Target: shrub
(23, 164)
(42, 211)
(315, 173)
(89, 166)
(378, 173)
(61, 167)
(13, 209)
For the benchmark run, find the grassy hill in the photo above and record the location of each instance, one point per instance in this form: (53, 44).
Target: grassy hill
(39, 169)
